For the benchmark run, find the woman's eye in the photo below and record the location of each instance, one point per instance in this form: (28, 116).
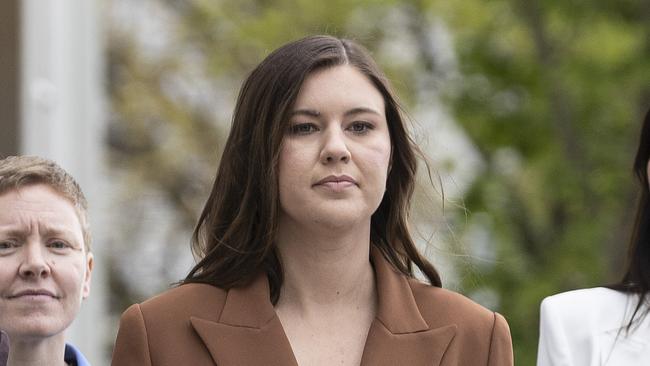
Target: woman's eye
(303, 129)
(58, 244)
(7, 245)
(360, 127)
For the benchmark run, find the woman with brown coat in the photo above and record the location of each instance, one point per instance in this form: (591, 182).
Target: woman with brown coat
(305, 252)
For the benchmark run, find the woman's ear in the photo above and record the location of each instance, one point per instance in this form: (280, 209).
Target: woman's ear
(90, 263)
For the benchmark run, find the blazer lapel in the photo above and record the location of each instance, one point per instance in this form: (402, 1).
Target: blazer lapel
(617, 347)
(399, 334)
(414, 349)
(248, 331)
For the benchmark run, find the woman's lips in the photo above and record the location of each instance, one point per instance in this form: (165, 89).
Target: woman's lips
(336, 183)
(33, 294)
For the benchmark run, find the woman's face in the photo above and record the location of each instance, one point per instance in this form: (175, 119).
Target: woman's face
(336, 152)
(44, 268)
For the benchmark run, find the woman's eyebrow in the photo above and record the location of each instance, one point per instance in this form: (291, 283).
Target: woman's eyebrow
(14, 232)
(61, 232)
(350, 112)
(53, 229)
(360, 110)
(21, 231)
(14, 229)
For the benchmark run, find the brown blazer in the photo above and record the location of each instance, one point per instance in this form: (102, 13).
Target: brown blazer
(416, 324)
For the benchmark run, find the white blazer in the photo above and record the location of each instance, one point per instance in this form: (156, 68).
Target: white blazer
(587, 328)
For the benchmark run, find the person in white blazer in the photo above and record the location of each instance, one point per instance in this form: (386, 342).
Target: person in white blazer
(606, 326)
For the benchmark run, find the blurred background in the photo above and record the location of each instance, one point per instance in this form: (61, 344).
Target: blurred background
(529, 112)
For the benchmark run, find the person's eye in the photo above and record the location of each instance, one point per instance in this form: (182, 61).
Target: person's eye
(361, 127)
(58, 245)
(302, 128)
(7, 245)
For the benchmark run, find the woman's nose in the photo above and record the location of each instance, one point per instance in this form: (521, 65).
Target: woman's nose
(34, 263)
(335, 148)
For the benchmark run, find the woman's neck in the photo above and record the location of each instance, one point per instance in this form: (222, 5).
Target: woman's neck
(37, 352)
(325, 269)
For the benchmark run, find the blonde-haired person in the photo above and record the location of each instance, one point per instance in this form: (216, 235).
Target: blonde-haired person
(45, 260)
(606, 325)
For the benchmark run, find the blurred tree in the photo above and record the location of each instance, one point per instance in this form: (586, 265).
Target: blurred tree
(550, 93)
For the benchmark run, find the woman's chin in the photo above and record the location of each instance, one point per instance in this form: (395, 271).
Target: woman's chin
(34, 329)
(340, 222)
(330, 217)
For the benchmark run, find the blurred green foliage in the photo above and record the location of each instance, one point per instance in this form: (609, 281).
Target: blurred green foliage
(551, 93)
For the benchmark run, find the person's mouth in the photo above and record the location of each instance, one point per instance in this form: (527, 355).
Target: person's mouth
(337, 182)
(33, 293)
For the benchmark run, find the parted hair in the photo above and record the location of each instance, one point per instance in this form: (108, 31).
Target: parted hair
(234, 237)
(21, 171)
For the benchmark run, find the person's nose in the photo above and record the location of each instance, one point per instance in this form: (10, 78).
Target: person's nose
(335, 148)
(34, 263)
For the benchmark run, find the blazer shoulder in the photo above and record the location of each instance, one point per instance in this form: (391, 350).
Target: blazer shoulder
(158, 331)
(439, 305)
(189, 300)
(598, 302)
(477, 328)
(578, 299)
(600, 307)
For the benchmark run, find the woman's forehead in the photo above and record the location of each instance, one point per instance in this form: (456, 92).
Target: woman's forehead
(37, 207)
(344, 86)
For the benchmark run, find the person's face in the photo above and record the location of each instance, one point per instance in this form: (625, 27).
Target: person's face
(44, 268)
(335, 154)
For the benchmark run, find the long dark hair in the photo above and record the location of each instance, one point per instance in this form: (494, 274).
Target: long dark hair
(234, 237)
(637, 273)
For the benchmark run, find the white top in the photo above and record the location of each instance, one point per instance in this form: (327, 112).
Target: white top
(588, 328)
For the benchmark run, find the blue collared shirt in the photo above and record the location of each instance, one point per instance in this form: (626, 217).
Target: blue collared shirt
(4, 348)
(74, 357)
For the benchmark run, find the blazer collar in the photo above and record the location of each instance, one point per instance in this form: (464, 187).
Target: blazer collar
(397, 309)
(399, 335)
(249, 332)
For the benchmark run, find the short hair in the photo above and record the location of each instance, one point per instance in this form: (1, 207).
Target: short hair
(22, 171)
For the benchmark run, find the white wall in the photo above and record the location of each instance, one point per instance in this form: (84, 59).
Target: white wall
(62, 119)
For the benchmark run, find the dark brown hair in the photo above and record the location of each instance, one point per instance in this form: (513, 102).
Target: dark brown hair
(234, 237)
(637, 272)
